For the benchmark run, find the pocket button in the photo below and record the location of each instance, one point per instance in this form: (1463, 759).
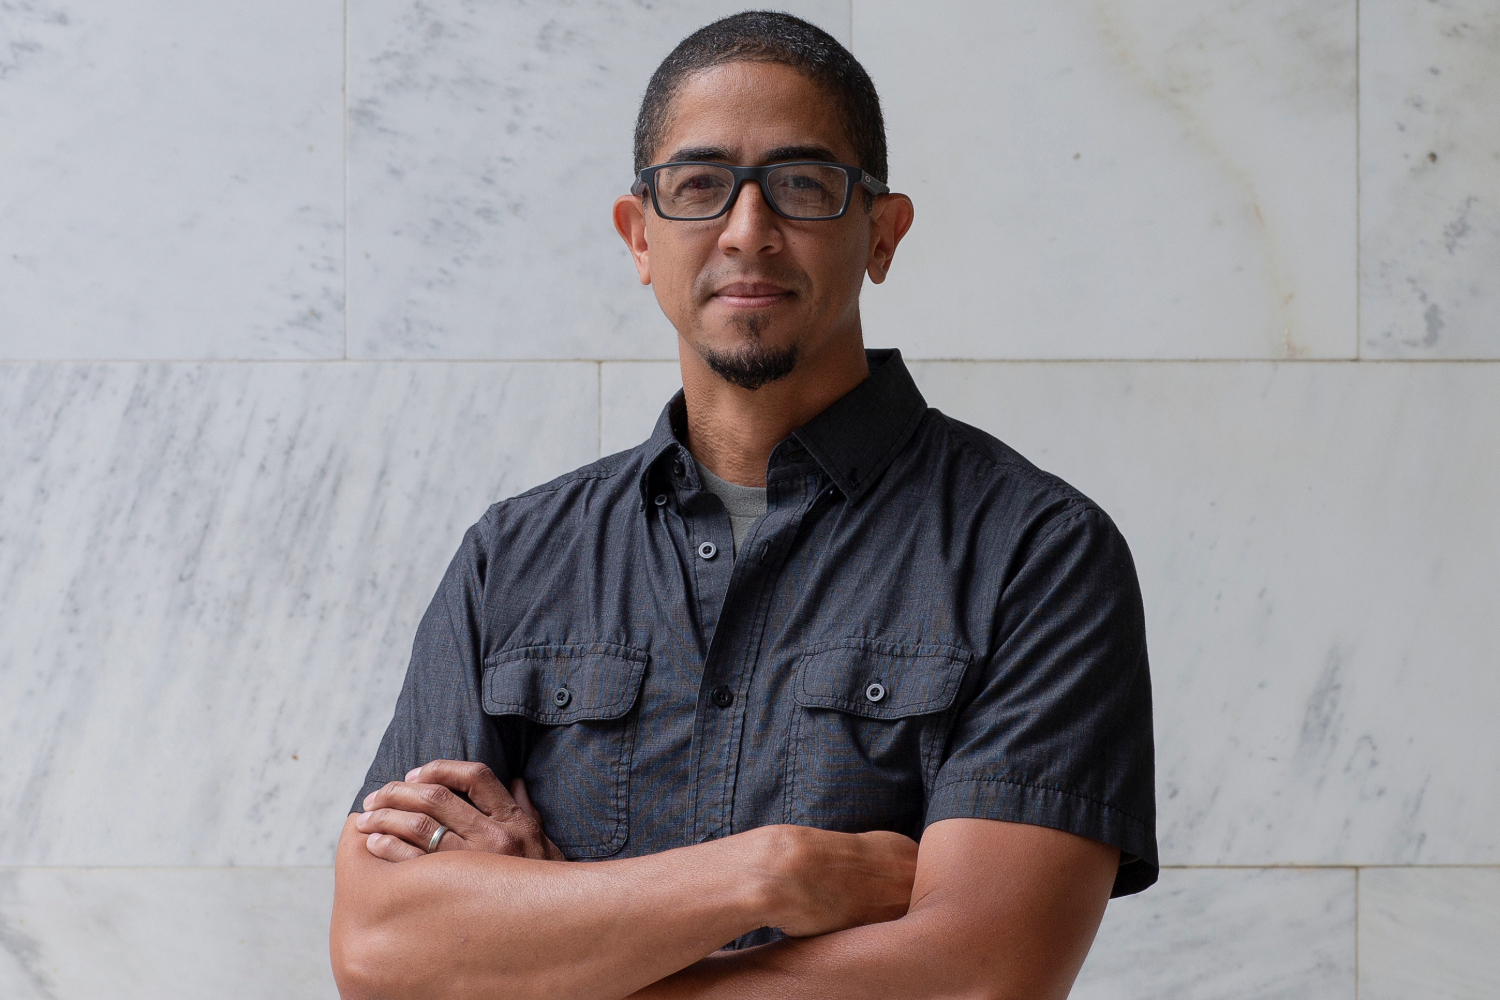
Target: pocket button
(561, 697)
(875, 693)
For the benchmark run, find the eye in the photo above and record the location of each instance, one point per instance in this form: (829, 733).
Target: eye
(803, 182)
(699, 182)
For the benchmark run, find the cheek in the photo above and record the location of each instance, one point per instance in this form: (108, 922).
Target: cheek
(675, 262)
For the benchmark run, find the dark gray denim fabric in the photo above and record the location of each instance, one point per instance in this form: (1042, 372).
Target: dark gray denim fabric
(922, 626)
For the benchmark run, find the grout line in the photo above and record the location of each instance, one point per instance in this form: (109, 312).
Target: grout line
(1359, 321)
(665, 361)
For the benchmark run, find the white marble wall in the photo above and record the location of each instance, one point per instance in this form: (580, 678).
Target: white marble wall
(290, 292)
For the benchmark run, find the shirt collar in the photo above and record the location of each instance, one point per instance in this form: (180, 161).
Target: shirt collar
(854, 439)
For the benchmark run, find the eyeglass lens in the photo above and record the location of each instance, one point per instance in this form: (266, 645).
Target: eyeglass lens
(802, 191)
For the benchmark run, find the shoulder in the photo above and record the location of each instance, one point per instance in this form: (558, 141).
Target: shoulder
(1003, 487)
(584, 495)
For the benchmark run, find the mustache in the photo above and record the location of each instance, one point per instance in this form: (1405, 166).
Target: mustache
(709, 281)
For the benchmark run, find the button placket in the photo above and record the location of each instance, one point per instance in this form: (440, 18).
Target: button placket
(734, 650)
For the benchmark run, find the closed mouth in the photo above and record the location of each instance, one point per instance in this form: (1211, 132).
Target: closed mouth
(752, 294)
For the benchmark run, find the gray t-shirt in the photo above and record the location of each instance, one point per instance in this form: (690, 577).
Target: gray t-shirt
(745, 503)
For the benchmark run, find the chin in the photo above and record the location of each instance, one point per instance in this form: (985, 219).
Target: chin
(750, 363)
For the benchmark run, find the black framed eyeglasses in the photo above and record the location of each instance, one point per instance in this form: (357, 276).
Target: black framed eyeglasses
(806, 191)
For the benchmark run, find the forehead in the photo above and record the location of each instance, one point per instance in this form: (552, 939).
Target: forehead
(748, 108)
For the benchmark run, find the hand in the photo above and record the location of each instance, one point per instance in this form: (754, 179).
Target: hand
(826, 881)
(402, 817)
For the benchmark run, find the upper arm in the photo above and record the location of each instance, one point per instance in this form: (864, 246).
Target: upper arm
(1054, 726)
(439, 714)
(1016, 906)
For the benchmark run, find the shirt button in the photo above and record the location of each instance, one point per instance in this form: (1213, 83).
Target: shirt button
(707, 550)
(561, 697)
(661, 499)
(722, 696)
(875, 693)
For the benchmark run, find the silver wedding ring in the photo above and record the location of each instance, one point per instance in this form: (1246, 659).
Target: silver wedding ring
(437, 838)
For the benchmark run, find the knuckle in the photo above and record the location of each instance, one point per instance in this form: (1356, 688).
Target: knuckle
(507, 842)
(435, 796)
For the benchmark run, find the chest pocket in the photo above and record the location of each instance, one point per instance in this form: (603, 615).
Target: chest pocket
(866, 737)
(580, 735)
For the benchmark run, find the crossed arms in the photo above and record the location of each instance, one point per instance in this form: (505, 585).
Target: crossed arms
(982, 909)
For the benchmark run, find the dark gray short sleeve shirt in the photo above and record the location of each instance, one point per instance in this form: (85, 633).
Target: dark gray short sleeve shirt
(922, 626)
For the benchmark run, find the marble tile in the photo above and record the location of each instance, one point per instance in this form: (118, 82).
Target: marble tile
(1157, 179)
(487, 144)
(1429, 933)
(1430, 179)
(631, 397)
(1227, 934)
(1319, 558)
(173, 179)
(211, 576)
(144, 934)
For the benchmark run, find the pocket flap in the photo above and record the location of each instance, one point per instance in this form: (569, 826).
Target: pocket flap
(561, 684)
(880, 680)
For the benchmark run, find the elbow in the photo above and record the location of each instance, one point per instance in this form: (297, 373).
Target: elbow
(359, 970)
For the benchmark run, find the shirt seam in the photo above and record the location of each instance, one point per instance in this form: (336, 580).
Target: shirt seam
(1042, 788)
(1062, 519)
(1019, 464)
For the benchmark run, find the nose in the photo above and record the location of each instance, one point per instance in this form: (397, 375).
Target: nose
(751, 226)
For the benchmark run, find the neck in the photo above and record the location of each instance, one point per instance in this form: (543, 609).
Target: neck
(733, 430)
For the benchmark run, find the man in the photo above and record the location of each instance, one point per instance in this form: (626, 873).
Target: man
(746, 665)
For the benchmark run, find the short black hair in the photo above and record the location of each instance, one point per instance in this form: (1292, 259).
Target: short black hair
(770, 37)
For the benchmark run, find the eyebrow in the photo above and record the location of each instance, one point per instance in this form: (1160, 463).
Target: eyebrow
(781, 154)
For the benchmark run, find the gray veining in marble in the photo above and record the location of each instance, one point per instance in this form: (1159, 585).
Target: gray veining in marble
(1152, 179)
(211, 576)
(1202, 934)
(1429, 933)
(172, 179)
(487, 144)
(155, 934)
(1430, 178)
(1319, 558)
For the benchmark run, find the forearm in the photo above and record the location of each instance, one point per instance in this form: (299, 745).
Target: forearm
(468, 924)
(906, 958)
(1000, 911)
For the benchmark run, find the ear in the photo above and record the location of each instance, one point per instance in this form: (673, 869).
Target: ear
(889, 220)
(630, 223)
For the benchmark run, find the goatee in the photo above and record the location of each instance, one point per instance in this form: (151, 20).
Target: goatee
(752, 366)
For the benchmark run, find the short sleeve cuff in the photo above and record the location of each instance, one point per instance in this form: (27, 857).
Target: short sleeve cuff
(983, 797)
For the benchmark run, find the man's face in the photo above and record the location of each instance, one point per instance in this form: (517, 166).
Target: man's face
(752, 293)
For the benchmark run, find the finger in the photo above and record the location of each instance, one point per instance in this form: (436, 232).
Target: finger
(417, 829)
(550, 851)
(388, 848)
(471, 778)
(518, 792)
(434, 801)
